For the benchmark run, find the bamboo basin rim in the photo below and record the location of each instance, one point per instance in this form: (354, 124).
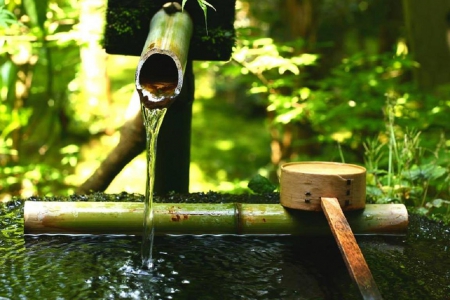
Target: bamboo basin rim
(118, 218)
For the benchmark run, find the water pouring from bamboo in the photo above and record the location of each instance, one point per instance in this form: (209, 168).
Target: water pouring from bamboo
(159, 79)
(333, 188)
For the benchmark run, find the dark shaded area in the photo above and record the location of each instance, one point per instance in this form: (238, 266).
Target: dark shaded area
(173, 147)
(128, 23)
(167, 70)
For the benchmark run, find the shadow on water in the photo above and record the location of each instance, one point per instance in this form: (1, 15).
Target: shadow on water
(415, 266)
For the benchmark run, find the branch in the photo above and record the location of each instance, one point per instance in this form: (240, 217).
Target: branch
(132, 142)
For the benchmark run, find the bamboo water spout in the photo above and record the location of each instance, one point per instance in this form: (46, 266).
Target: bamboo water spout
(160, 71)
(159, 79)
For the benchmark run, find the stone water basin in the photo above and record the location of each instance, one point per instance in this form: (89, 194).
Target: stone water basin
(413, 266)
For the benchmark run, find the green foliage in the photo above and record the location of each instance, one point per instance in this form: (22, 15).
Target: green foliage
(7, 18)
(36, 65)
(348, 105)
(204, 6)
(343, 107)
(261, 185)
(32, 179)
(37, 11)
(400, 170)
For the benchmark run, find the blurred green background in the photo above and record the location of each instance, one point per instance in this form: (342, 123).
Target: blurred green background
(348, 81)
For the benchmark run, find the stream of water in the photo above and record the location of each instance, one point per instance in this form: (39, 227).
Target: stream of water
(152, 121)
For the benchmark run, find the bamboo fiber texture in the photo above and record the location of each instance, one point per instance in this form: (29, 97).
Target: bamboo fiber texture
(45, 217)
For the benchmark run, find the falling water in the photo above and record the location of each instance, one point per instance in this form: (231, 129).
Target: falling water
(155, 98)
(157, 84)
(152, 122)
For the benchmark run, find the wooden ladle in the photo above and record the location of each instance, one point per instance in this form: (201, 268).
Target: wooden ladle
(332, 188)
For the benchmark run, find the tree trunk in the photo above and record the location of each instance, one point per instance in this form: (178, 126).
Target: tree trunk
(301, 19)
(94, 79)
(173, 147)
(427, 31)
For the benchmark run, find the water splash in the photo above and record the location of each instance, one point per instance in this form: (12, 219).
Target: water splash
(152, 122)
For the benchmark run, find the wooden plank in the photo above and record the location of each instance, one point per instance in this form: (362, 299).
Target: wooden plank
(353, 257)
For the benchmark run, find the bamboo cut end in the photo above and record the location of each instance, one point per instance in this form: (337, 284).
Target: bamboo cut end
(159, 78)
(303, 184)
(160, 71)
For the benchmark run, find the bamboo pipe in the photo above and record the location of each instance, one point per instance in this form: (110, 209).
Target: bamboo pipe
(42, 217)
(159, 74)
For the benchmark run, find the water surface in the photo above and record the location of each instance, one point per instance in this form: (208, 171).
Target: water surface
(416, 266)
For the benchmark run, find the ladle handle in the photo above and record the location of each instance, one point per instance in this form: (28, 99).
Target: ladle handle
(353, 257)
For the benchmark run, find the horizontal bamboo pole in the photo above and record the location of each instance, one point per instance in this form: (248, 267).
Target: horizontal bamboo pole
(194, 218)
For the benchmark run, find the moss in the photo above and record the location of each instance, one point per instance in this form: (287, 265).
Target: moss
(217, 43)
(124, 22)
(210, 197)
(128, 21)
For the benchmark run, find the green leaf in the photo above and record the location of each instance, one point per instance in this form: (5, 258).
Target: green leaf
(183, 3)
(204, 6)
(261, 185)
(70, 149)
(8, 75)
(37, 11)
(7, 18)
(424, 172)
(438, 203)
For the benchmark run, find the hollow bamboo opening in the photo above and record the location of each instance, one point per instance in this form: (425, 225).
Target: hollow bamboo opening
(159, 75)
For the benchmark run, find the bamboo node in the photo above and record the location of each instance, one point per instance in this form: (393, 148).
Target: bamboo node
(172, 7)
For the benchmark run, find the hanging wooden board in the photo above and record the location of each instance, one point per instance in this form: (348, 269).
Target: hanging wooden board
(213, 38)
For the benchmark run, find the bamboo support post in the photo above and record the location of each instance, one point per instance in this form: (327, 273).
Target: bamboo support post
(42, 217)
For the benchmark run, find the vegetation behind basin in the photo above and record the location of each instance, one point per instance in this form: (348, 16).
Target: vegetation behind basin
(351, 84)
